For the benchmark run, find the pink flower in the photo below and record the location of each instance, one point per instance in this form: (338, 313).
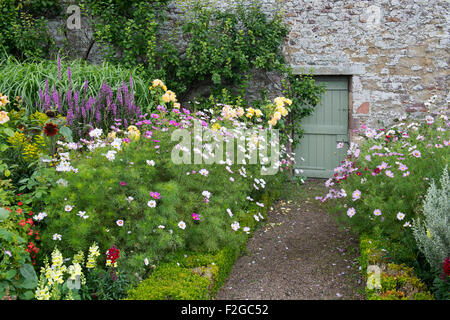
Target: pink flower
(154, 116)
(155, 195)
(123, 183)
(377, 212)
(416, 153)
(126, 140)
(195, 216)
(351, 212)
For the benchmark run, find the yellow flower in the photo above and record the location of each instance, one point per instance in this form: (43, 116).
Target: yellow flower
(251, 111)
(132, 128)
(177, 105)
(428, 234)
(215, 126)
(3, 116)
(272, 122)
(258, 112)
(277, 116)
(3, 100)
(157, 83)
(112, 135)
(279, 101)
(240, 111)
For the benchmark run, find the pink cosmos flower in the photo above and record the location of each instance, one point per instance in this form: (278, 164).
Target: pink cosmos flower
(389, 173)
(416, 153)
(155, 195)
(402, 167)
(356, 195)
(154, 116)
(351, 212)
(123, 183)
(377, 212)
(195, 216)
(126, 140)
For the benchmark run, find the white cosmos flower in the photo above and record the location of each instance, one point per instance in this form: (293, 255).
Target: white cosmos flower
(230, 213)
(151, 203)
(57, 237)
(68, 208)
(95, 133)
(182, 225)
(146, 262)
(119, 223)
(151, 163)
(235, 226)
(400, 216)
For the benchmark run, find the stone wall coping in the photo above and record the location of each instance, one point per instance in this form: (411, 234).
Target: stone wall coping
(322, 70)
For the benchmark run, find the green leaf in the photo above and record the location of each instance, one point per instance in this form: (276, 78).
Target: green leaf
(27, 295)
(10, 274)
(28, 272)
(4, 214)
(67, 133)
(9, 132)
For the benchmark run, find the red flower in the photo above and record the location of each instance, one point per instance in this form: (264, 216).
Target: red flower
(51, 129)
(446, 266)
(19, 210)
(19, 203)
(30, 221)
(22, 223)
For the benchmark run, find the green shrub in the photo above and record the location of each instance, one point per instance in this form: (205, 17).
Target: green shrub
(22, 34)
(432, 234)
(171, 282)
(102, 189)
(381, 184)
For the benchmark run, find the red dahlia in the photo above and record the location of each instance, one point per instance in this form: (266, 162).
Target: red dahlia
(50, 129)
(446, 266)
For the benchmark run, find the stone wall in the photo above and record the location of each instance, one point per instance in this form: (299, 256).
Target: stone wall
(395, 52)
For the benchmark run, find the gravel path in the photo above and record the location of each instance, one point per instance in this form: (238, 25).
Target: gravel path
(300, 254)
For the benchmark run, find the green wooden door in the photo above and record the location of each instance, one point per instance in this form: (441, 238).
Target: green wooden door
(324, 129)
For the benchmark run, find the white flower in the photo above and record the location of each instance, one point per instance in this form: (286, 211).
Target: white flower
(95, 133)
(111, 155)
(68, 208)
(230, 213)
(204, 172)
(377, 212)
(260, 204)
(182, 225)
(260, 215)
(400, 216)
(116, 143)
(161, 227)
(40, 216)
(57, 237)
(407, 224)
(119, 223)
(146, 262)
(151, 203)
(235, 226)
(151, 163)
(82, 214)
(206, 194)
(129, 199)
(256, 217)
(247, 230)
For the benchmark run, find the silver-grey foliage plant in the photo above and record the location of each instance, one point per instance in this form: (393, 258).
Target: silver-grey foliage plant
(432, 234)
